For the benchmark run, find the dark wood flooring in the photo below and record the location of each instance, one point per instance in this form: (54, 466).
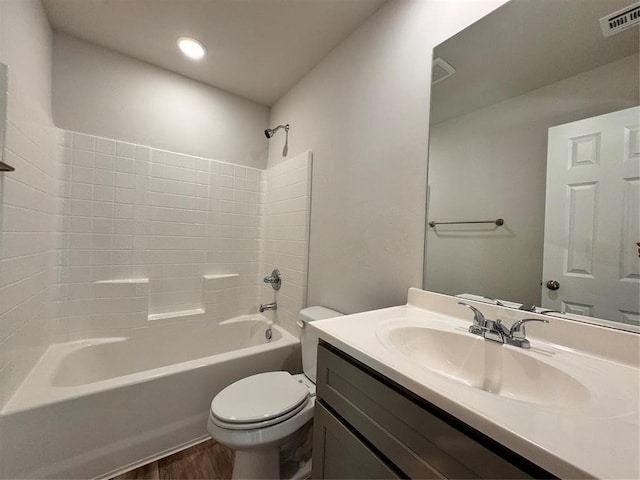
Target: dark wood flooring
(207, 460)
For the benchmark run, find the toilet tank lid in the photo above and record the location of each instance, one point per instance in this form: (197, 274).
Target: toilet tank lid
(311, 314)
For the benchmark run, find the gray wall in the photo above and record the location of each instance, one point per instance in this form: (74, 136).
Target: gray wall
(25, 45)
(364, 112)
(100, 92)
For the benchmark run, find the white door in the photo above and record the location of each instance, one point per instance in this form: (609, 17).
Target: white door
(592, 219)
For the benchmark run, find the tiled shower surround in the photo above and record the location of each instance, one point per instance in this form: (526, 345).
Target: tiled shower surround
(286, 247)
(156, 236)
(27, 238)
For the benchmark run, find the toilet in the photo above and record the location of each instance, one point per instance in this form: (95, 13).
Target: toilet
(267, 417)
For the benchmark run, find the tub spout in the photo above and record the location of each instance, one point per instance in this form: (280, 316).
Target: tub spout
(268, 306)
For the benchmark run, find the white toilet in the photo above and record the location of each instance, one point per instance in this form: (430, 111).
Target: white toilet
(267, 417)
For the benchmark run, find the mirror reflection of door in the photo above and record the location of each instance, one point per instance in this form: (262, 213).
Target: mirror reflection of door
(592, 217)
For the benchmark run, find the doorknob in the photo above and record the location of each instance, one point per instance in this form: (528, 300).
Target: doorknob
(553, 285)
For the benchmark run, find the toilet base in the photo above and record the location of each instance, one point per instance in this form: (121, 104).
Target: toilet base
(257, 463)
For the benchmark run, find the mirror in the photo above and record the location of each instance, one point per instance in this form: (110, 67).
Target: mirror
(525, 72)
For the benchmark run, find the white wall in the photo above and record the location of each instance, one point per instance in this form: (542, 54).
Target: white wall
(364, 111)
(27, 196)
(492, 163)
(100, 92)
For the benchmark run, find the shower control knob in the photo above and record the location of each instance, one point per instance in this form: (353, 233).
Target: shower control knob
(553, 285)
(274, 279)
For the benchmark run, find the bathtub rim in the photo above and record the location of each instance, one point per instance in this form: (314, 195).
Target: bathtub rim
(37, 391)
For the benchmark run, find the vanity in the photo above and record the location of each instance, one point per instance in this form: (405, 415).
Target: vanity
(410, 392)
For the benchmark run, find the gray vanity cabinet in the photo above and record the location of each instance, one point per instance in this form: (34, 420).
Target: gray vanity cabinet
(366, 426)
(339, 453)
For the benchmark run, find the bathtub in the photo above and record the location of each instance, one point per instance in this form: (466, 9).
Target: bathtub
(97, 407)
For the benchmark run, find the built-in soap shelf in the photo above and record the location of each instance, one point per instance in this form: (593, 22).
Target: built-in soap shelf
(124, 281)
(176, 314)
(221, 276)
(139, 287)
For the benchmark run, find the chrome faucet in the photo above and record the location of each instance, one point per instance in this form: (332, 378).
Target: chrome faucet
(489, 329)
(497, 331)
(528, 307)
(495, 301)
(268, 306)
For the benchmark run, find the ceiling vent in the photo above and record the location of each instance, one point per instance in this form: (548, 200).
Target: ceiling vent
(441, 70)
(620, 20)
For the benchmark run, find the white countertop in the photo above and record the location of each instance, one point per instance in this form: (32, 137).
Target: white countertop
(596, 438)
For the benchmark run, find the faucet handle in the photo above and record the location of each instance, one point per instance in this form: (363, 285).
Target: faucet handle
(274, 279)
(517, 329)
(479, 322)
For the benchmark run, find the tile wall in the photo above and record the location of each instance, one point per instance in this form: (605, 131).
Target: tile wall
(27, 238)
(287, 210)
(150, 235)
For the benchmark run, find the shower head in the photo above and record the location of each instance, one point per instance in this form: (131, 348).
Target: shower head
(270, 132)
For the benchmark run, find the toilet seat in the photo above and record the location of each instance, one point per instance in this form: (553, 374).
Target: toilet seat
(257, 425)
(259, 401)
(265, 437)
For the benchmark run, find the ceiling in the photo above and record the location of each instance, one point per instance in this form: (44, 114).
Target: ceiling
(257, 49)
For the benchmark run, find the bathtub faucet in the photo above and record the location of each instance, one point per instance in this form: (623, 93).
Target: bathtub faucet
(268, 306)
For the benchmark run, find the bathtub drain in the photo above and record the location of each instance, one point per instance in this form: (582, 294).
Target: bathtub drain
(268, 333)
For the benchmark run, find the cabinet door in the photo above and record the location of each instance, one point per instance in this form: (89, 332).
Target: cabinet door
(417, 438)
(338, 453)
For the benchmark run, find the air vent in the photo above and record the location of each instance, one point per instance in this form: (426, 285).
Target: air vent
(620, 20)
(441, 70)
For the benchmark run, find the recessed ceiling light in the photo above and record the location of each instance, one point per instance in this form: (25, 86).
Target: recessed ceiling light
(191, 47)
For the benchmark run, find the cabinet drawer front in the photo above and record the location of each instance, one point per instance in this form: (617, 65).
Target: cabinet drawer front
(338, 453)
(420, 443)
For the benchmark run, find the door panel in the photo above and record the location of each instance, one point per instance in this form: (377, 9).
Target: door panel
(592, 220)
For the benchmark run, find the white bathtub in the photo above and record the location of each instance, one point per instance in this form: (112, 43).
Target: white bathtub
(97, 407)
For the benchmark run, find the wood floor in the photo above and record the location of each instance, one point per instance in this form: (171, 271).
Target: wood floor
(207, 460)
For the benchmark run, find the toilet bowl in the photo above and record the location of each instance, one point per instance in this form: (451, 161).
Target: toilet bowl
(258, 415)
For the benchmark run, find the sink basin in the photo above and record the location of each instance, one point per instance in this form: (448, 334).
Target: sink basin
(484, 364)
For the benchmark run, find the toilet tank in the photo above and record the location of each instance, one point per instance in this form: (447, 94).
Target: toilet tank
(308, 340)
